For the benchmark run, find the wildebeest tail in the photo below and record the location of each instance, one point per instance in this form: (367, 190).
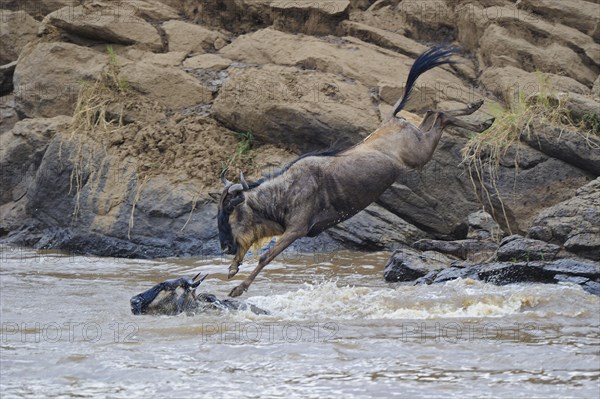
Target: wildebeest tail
(435, 56)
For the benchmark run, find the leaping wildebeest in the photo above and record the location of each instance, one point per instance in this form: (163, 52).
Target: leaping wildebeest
(319, 190)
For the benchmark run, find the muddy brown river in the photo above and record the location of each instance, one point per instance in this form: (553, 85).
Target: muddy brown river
(336, 329)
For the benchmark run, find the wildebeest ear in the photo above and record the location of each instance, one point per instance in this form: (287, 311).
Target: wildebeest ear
(215, 196)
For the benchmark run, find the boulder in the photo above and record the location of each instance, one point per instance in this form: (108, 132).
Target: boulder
(580, 106)
(581, 15)
(409, 265)
(351, 58)
(16, 30)
(596, 88)
(527, 182)
(571, 271)
(470, 249)
(48, 76)
(517, 248)
(482, 226)
(8, 115)
(568, 145)
(242, 16)
(21, 152)
(320, 18)
(500, 48)
(287, 106)
(7, 73)
(502, 273)
(36, 8)
(576, 218)
(106, 22)
(239, 16)
(170, 87)
(207, 61)
(384, 38)
(507, 82)
(375, 228)
(191, 38)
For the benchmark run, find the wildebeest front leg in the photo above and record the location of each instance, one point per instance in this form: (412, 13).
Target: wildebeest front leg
(237, 261)
(284, 242)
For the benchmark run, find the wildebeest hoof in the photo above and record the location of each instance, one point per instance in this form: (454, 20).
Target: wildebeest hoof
(488, 123)
(239, 290)
(232, 272)
(475, 105)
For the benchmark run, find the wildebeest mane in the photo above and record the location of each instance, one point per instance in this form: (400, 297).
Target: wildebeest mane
(336, 149)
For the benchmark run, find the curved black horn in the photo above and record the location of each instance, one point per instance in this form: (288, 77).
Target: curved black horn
(224, 179)
(197, 283)
(243, 181)
(235, 188)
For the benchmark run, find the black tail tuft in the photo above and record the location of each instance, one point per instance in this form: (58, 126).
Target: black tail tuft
(435, 56)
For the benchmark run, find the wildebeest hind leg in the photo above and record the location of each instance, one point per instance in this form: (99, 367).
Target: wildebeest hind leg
(471, 107)
(286, 239)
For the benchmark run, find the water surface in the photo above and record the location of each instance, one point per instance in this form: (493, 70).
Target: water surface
(335, 329)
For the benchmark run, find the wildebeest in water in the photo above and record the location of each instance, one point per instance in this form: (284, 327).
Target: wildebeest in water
(175, 296)
(319, 190)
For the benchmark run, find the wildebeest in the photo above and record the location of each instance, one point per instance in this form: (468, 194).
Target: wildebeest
(172, 297)
(320, 190)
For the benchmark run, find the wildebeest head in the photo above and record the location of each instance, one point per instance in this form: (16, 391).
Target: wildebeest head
(170, 297)
(231, 197)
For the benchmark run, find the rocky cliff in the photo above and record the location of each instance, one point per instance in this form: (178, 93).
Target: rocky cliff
(118, 116)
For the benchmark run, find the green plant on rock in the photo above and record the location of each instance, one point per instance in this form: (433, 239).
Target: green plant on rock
(592, 122)
(484, 152)
(242, 152)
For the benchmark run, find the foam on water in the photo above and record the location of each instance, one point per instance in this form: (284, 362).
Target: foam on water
(458, 298)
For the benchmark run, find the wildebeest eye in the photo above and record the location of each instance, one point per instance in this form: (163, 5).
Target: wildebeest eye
(233, 202)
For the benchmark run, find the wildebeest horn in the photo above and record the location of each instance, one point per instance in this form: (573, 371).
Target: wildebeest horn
(243, 181)
(197, 283)
(224, 179)
(235, 188)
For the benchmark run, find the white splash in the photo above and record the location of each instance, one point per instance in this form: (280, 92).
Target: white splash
(459, 298)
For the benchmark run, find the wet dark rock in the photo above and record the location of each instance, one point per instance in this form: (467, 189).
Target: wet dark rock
(482, 226)
(411, 266)
(464, 249)
(573, 223)
(586, 244)
(453, 273)
(593, 287)
(501, 273)
(565, 278)
(408, 265)
(375, 228)
(517, 248)
(574, 267)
